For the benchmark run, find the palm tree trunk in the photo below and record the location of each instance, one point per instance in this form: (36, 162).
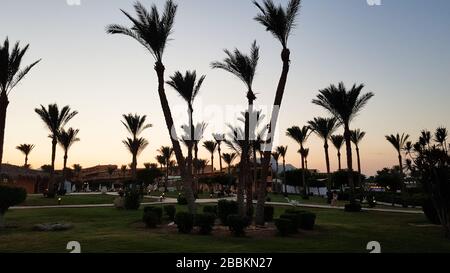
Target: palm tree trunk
(285, 54)
(359, 166)
(3, 107)
(26, 160)
(134, 171)
(212, 163)
(327, 161)
(339, 160)
(284, 176)
(348, 146)
(185, 175)
(403, 185)
(276, 175)
(220, 157)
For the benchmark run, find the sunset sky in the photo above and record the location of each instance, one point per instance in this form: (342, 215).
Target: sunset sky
(399, 50)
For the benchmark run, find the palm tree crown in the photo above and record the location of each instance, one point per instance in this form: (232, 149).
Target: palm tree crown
(25, 148)
(135, 124)
(398, 141)
(278, 20)
(282, 150)
(150, 29)
(54, 118)
(300, 135)
(135, 146)
(10, 72)
(338, 141)
(210, 146)
(323, 127)
(357, 136)
(67, 138)
(187, 86)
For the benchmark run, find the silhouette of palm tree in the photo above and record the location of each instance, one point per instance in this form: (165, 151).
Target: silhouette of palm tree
(440, 136)
(398, 142)
(66, 139)
(282, 150)
(166, 153)
(356, 137)
(338, 141)
(300, 135)
(152, 30)
(280, 22)
(323, 128)
(344, 105)
(26, 150)
(219, 138)
(55, 119)
(211, 146)
(10, 75)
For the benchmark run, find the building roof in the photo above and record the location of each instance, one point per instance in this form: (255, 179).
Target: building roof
(16, 171)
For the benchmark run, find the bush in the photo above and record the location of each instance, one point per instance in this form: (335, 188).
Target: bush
(307, 220)
(184, 221)
(284, 226)
(268, 213)
(170, 211)
(226, 208)
(205, 222)
(237, 224)
(295, 219)
(132, 200)
(430, 212)
(151, 218)
(181, 200)
(11, 196)
(157, 210)
(210, 209)
(353, 207)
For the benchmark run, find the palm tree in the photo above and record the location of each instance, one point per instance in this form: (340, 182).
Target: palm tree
(440, 136)
(77, 168)
(161, 160)
(356, 137)
(211, 146)
(282, 150)
(305, 154)
(243, 67)
(153, 30)
(338, 141)
(188, 88)
(135, 125)
(323, 128)
(123, 169)
(279, 22)
(26, 150)
(344, 105)
(300, 135)
(399, 144)
(166, 152)
(66, 139)
(135, 146)
(425, 138)
(219, 138)
(10, 75)
(229, 158)
(111, 169)
(55, 119)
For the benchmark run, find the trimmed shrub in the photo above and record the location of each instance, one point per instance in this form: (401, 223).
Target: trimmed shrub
(184, 221)
(237, 224)
(210, 209)
(10, 196)
(157, 210)
(151, 218)
(307, 220)
(284, 226)
(268, 213)
(295, 219)
(170, 211)
(181, 200)
(353, 207)
(132, 200)
(205, 222)
(226, 208)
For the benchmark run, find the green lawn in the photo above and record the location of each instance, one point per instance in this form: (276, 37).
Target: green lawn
(39, 200)
(175, 194)
(111, 230)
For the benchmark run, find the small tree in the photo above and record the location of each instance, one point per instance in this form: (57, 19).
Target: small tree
(10, 196)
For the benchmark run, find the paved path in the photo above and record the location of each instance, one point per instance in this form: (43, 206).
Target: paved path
(209, 201)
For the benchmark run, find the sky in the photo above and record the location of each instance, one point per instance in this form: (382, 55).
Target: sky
(399, 50)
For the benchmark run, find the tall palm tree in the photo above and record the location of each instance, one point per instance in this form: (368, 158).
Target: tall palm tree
(300, 135)
(188, 88)
(135, 146)
(26, 150)
(356, 137)
(135, 125)
(66, 139)
(219, 138)
(323, 128)
(10, 75)
(229, 158)
(280, 22)
(338, 141)
(305, 154)
(399, 141)
(152, 30)
(243, 67)
(425, 138)
(166, 152)
(211, 146)
(344, 105)
(282, 150)
(440, 136)
(55, 119)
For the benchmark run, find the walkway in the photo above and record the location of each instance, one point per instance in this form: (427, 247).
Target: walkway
(209, 201)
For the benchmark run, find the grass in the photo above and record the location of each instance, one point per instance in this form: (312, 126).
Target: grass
(175, 194)
(39, 200)
(111, 230)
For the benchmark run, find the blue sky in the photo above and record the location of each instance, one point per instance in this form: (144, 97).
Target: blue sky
(399, 50)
